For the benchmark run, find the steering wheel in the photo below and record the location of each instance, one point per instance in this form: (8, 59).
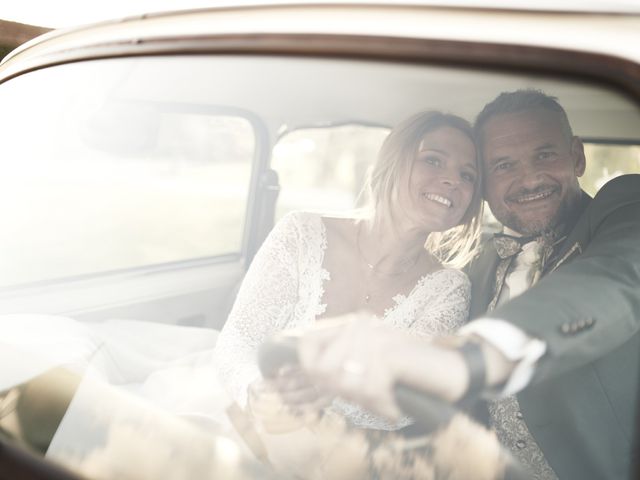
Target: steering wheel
(429, 413)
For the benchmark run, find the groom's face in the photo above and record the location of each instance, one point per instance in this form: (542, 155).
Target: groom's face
(531, 167)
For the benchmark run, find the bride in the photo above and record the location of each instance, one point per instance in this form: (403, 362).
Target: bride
(395, 262)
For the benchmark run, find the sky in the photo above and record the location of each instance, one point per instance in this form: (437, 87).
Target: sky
(66, 13)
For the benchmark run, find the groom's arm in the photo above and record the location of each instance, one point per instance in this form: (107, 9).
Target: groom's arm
(588, 307)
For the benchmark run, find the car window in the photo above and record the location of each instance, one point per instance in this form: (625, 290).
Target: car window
(605, 162)
(98, 181)
(141, 164)
(324, 168)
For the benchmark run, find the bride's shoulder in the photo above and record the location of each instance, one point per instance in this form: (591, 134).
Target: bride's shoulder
(298, 219)
(298, 216)
(306, 225)
(339, 225)
(452, 276)
(341, 230)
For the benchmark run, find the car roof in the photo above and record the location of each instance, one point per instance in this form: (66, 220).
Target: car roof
(610, 6)
(602, 30)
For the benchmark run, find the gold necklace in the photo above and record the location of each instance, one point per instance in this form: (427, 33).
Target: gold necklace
(374, 267)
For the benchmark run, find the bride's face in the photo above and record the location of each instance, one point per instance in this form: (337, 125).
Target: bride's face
(437, 189)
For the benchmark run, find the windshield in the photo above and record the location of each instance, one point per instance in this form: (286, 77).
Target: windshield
(139, 198)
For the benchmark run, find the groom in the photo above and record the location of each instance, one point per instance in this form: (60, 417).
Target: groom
(556, 299)
(558, 295)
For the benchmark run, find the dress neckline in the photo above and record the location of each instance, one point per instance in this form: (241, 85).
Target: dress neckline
(398, 300)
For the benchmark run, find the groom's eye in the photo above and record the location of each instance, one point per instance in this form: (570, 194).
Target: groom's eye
(502, 166)
(545, 155)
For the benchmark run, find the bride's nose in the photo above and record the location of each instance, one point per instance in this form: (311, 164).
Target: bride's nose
(449, 178)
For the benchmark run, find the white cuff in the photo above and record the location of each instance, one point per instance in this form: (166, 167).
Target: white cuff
(514, 344)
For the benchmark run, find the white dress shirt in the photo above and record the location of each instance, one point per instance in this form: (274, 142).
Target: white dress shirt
(510, 340)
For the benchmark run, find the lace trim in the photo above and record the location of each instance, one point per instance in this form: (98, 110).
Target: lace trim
(312, 238)
(442, 295)
(400, 298)
(284, 288)
(323, 274)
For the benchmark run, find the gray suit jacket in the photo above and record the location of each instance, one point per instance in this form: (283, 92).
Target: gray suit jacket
(581, 403)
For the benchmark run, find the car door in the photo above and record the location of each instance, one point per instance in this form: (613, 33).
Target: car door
(124, 197)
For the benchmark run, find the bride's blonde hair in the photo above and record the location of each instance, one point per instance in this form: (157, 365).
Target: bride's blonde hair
(454, 247)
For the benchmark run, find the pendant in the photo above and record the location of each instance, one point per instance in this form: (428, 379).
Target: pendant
(367, 297)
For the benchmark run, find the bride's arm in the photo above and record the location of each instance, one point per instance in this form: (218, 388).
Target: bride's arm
(265, 305)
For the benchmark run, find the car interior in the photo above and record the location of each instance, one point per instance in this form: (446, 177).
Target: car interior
(152, 181)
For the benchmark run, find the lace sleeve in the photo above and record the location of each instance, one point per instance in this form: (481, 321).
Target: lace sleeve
(445, 308)
(264, 306)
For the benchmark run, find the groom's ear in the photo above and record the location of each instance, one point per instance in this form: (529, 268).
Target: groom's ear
(577, 154)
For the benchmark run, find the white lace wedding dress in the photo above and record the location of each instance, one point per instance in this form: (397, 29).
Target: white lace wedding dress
(284, 288)
(134, 378)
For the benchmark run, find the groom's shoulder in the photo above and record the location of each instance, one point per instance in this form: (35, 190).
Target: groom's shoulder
(623, 187)
(616, 193)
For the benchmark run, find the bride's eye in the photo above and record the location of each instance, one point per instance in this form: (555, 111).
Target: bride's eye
(468, 177)
(433, 160)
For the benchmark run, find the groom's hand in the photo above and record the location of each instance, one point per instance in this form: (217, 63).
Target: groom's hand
(299, 392)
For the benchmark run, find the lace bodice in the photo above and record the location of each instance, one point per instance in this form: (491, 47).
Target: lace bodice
(284, 288)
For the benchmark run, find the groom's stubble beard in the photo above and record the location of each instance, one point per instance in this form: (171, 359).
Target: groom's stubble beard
(561, 217)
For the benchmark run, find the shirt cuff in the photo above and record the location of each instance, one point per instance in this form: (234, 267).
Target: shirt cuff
(514, 344)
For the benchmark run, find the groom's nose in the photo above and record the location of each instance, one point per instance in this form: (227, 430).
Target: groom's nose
(530, 174)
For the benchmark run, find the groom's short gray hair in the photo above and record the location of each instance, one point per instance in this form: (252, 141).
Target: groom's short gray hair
(520, 101)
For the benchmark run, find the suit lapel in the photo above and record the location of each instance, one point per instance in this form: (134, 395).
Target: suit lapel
(575, 249)
(501, 275)
(573, 245)
(482, 273)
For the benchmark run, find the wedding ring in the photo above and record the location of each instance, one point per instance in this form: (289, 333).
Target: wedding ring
(353, 367)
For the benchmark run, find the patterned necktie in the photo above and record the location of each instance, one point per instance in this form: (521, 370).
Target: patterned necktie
(508, 245)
